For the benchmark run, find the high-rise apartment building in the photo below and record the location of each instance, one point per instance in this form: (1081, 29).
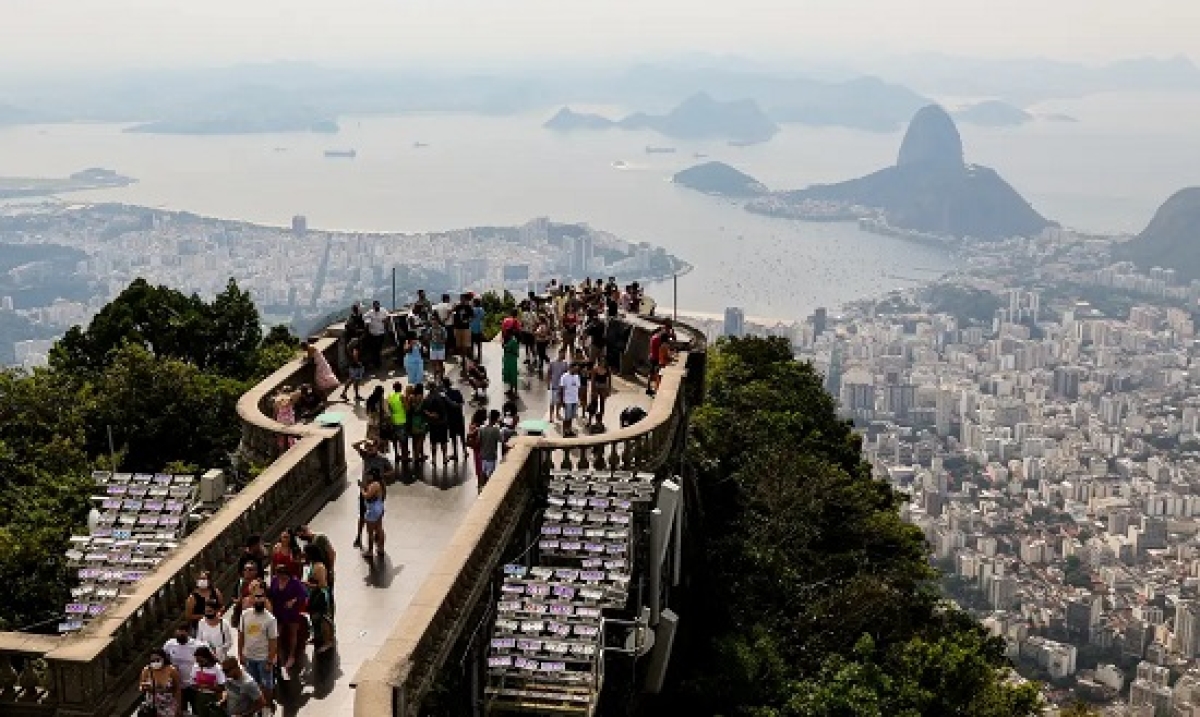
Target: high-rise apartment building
(735, 322)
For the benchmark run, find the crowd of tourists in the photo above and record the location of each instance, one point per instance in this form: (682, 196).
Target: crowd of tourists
(564, 337)
(229, 650)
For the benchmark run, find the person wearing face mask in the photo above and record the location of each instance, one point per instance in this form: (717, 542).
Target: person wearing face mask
(258, 648)
(208, 680)
(197, 601)
(213, 631)
(182, 652)
(161, 685)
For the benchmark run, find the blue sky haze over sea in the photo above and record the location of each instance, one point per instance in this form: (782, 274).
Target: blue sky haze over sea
(1106, 173)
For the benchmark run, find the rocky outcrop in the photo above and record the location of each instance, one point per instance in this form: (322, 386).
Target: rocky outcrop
(719, 179)
(993, 113)
(698, 117)
(931, 189)
(932, 141)
(568, 120)
(1172, 238)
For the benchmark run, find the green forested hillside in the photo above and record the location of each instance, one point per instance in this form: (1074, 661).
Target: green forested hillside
(815, 598)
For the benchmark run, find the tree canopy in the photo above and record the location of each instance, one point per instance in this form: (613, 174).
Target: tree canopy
(815, 598)
(164, 371)
(221, 336)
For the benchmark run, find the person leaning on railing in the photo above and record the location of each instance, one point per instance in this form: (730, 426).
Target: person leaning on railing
(325, 381)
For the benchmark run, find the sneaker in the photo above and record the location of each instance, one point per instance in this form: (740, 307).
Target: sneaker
(358, 542)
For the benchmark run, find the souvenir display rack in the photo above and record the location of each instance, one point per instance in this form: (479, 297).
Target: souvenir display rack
(546, 654)
(142, 518)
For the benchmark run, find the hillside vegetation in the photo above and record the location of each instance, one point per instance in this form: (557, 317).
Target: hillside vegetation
(815, 597)
(163, 371)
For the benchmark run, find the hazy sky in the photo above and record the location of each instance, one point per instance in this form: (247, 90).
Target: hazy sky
(39, 34)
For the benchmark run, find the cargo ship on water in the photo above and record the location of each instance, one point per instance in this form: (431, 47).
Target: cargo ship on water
(348, 153)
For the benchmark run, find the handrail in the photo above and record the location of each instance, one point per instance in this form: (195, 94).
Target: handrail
(189, 548)
(383, 683)
(250, 403)
(89, 670)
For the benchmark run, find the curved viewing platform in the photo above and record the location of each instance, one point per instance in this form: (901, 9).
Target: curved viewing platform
(399, 616)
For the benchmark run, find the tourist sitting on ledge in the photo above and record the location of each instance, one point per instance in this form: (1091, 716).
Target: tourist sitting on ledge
(475, 374)
(308, 404)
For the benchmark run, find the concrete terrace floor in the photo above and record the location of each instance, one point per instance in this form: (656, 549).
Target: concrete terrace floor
(423, 513)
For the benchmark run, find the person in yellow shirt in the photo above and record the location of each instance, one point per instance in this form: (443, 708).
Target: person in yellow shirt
(398, 412)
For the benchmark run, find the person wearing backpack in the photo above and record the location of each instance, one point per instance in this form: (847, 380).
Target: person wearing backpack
(213, 631)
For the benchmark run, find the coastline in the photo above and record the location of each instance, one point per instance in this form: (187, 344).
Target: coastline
(64, 204)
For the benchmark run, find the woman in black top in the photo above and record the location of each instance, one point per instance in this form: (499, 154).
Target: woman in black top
(203, 592)
(601, 390)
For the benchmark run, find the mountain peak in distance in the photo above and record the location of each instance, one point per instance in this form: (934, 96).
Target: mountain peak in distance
(932, 141)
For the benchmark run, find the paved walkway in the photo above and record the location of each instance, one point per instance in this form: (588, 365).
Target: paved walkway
(423, 512)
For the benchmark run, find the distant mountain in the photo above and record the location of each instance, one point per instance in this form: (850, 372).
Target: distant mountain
(698, 117)
(15, 115)
(866, 103)
(1172, 239)
(1026, 81)
(720, 179)
(568, 120)
(238, 124)
(702, 117)
(930, 189)
(932, 142)
(993, 113)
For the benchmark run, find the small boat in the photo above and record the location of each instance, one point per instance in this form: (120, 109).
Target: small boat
(660, 150)
(419, 145)
(699, 155)
(349, 153)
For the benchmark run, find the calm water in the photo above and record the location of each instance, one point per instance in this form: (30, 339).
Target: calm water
(1096, 175)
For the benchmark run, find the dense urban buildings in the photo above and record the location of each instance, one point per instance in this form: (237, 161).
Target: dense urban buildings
(1048, 435)
(73, 260)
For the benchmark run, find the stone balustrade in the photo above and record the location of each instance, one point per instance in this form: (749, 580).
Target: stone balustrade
(25, 687)
(95, 671)
(403, 672)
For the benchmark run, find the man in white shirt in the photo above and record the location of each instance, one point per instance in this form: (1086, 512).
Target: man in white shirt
(444, 311)
(555, 371)
(213, 631)
(376, 320)
(182, 652)
(570, 399)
